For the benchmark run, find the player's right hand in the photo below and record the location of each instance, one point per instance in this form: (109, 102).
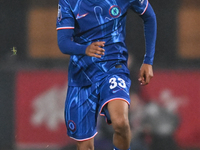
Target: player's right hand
(95, 49)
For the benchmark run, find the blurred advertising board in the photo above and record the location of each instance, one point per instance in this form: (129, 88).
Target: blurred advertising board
(40, 96)
(39, 109)
(179, 93)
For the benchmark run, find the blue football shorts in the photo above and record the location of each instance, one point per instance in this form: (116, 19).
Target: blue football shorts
(83, 104)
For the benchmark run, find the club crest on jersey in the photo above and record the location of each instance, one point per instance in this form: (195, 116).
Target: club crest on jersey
(114, 11)
(71, 125)
(59, 17)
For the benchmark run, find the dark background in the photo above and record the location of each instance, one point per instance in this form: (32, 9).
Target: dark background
(14, 32)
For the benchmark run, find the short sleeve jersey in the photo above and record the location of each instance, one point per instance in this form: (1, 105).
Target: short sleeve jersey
(97, 20)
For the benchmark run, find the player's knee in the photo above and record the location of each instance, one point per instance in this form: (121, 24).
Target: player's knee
(121, 125)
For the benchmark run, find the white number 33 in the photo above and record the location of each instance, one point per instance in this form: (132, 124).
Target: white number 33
(117, 81)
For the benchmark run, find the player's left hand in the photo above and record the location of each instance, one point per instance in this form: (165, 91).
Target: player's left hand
(146, 73)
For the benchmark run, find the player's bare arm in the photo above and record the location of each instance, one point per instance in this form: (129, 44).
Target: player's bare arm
(146, 73)
(95, 49)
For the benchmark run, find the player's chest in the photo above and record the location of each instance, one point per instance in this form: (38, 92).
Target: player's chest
(98, 11)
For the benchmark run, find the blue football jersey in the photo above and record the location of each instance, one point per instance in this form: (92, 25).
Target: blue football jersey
(97, 20)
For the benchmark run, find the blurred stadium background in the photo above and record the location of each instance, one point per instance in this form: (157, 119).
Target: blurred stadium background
(33, 83)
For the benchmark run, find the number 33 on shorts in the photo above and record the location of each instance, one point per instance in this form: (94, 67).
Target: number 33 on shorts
(114, 82)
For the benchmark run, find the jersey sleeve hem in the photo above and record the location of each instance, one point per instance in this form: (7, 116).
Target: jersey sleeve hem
(60, 28)
(145, 8)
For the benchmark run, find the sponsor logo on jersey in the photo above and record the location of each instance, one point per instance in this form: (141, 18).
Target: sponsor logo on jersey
(114, 11)
(71, 125)
(59, 17)
(81, 16)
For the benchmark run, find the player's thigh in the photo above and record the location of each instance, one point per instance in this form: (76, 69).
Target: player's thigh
(118, 111)
(80, 113)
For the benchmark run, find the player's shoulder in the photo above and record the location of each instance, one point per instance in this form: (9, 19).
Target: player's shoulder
(64, 2)
(69, 3)
(138, 2)
(139, 6)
